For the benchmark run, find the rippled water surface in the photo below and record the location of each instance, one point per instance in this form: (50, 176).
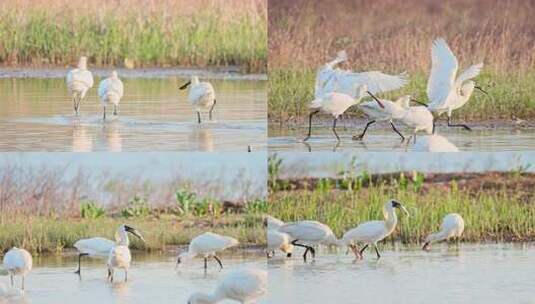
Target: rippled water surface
(151, 279)
(499, 273)
(36, 114)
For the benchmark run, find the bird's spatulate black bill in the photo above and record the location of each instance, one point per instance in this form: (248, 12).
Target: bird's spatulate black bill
(419, 102)
(376, 99)
(481, 89)
(184, 86)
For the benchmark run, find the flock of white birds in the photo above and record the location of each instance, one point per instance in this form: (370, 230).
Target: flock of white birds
(242, 285)
(111, 90)
(286, 236)
(336, 90)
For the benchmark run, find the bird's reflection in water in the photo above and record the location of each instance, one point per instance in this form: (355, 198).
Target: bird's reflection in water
(434, 143)
(81, 138)
(120, 288)
(112, 136)
(202, 137)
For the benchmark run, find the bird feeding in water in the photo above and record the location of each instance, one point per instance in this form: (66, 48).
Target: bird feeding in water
(245, 286)
(110, 91)
(201, 95)
(277, 240)
(207, 245)
(447, 93)
(452, 227)
(369, 233)
(17, 262)
(79, 81)
(307, 233)
(119, 255)
(100, 247)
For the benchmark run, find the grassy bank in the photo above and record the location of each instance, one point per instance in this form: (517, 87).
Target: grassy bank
(49, 234)
(396, 36)
(494, 207)
(290, 92)
(139, 32)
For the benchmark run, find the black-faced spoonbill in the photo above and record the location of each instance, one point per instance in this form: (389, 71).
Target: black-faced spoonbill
(277, 240)
(110, 91)
(18, 262)
(445, 92)
(307, 233)
(201, 95)
(100, 247)
(452, 227)
(79, 81)
(207, 244)
(372, 232)
(244, 286)
(119, 256)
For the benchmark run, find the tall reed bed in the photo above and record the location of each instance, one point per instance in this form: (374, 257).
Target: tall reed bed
(145, 33)
(395, 36)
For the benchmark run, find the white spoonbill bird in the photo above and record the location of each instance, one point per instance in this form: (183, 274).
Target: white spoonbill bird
(100, 247)
(372, 232)
(277, 240)
(9, 293)
(119, 255)
(330, 79)
(207, 244)
(335, 104)
(447, 93)
(245, 286)
(201, 95)
(452, 227)
(79, 81)
(311, 233)
(434, 143)
(18, 262)
(110, 91)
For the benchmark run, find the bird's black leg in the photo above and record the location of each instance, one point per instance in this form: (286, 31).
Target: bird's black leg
(114, 110)
(80, 262)
(211, 109)
(361, 136)
(205, 263)
(305, 254)
(377, 251)
(396, 130)
(363, 248)
(218, 261)
(310, 124)
(306, 250)
(198, 117)
(334, 129)
(457, 125)
(104, 113)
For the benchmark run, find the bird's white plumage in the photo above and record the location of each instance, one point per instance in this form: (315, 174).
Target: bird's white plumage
(95, 247)
(79, 80)
(201, 94)
(18, 262)
(310, 231)
(333, 103)
(207, 244)
(244, 286)
(119, 257)
(470, 73)
(452, 226)
(434, 143)
(444, 67)
(418, 118)
(273, 223)
(111, 90)
(277, 240)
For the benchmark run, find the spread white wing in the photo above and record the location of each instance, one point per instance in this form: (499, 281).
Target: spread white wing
(469, 73)
(443, 70)
(376, 81)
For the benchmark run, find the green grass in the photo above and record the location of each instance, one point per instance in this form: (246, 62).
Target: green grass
(203, 39)
(489, 215)
(40, 234)
(509, 95)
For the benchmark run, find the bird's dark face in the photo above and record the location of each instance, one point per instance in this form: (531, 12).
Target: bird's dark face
(184, 86)
(396, 204)
(134, 232)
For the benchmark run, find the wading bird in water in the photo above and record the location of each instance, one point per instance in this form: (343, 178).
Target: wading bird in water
(19, 262)
(445, 91)
(207, 244)
(452, 227)
(110, 91)
(307, 233)
(201, 96)
(79, 81)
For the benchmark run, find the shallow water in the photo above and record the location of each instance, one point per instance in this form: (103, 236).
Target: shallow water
(382, 138)
(498, 273)
(36, 114)
(151, 279)
(328, 164)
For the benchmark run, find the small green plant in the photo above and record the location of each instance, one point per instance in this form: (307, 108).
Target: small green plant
(418, 180)
(185, 200)
(257, 206)
(90, 210)
(137, 207)
(403, 183)
(274, 166)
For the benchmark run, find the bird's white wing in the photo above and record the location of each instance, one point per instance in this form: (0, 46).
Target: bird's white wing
(103, 87)
(443, 70)
(273, 223)
(95, 246)
(305, 230)
(209, 241)
(469, 73)
(365, 231)
(376, 81)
